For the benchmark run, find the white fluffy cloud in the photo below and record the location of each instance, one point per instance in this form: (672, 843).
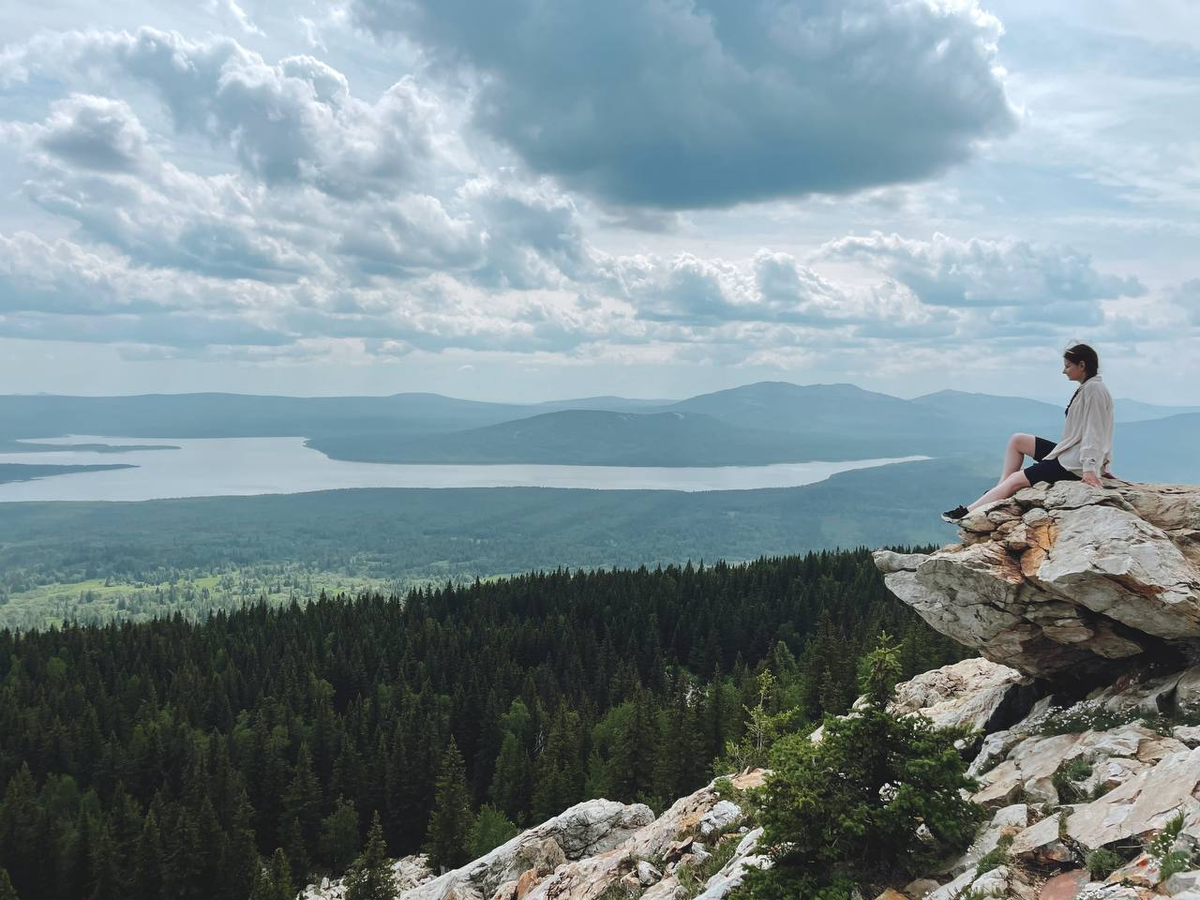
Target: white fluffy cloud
(1048, 283)
(216, 205)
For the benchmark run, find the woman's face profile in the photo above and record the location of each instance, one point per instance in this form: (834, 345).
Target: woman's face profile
(1074, 371)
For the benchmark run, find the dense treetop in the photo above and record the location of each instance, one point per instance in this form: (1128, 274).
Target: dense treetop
(169, 758)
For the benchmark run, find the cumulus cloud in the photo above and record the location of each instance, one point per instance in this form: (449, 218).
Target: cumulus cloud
(294, 121)
(94, 133)
(1014, 280)
(709, 103)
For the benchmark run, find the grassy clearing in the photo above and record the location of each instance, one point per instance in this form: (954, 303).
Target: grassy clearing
(100, 600)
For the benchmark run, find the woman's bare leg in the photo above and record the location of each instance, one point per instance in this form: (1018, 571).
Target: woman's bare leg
(1003, 490)
(1019, 446)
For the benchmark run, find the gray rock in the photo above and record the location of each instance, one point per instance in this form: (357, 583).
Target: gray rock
(1009, 820)
(975, 692)
(1106, 575)
(725, 813)
(1181, 882)
(647, 874)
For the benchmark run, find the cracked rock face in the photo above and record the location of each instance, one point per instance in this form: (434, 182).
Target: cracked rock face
(1064, 578)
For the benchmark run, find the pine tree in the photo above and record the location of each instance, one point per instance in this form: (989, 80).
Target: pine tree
(451, 820)
(559, 769)
(492, 828)
(275, 881)
(148, 860)
(844, 813)
(510, 783)
(297, 853)
(371, 877)
(339, 835)
(7, 892)
(21, 824)
(302, 800)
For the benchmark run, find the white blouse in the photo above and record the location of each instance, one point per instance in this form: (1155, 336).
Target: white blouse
(1086, 444)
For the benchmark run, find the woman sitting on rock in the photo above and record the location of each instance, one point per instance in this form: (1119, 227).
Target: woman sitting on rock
(1085, 450)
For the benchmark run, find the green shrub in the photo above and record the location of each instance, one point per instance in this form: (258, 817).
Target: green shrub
(1101, 863)
(1161, 847)
(996, 857)
(846, 811)
(1083, 717)
(1065, 777)
(694, 878)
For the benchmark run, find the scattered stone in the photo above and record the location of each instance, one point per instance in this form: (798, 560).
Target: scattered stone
(1041, 843)
(667, 889)
(647, 874)
(1065, 886)
(1182, 881)
(1010, 820)
(725, 813)
(1142, 805)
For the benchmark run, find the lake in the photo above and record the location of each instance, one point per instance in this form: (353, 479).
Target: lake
(213, 467)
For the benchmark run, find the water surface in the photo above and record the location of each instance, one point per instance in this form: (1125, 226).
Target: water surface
(211, 467)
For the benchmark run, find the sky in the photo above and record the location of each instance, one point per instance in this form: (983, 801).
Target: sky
(520, 200)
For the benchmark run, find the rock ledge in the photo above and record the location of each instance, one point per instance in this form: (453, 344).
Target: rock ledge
(1066, 578)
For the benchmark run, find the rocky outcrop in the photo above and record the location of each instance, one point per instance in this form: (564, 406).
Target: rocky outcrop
(1107, 773)
(583, 852)
(1065, 579)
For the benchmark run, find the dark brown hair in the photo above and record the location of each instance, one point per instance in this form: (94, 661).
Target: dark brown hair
(1082, 353)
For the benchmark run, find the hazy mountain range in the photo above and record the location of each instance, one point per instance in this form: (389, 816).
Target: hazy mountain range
(766, 422)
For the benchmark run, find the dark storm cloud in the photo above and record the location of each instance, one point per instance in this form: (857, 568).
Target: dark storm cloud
(676, 104)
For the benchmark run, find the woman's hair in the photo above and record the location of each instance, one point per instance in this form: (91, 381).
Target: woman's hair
(1082, 353)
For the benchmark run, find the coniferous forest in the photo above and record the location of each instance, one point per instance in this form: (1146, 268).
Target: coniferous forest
(172, 759)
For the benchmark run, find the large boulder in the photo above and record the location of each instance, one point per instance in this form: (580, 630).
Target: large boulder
(1065, 579)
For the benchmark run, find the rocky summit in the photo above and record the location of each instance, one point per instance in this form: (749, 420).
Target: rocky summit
(1066, 579)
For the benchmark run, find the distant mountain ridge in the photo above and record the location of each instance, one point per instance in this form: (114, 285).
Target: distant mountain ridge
(754, 424)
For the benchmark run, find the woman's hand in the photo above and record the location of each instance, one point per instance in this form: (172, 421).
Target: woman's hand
(1091, 478)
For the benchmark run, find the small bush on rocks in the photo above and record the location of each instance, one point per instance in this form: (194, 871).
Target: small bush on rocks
(847, 811)
(1085, 716)
(1102, 862)
(1163, 847)
(1066, 777)
(996, 857)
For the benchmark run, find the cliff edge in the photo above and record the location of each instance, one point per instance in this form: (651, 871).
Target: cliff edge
(1066, 579)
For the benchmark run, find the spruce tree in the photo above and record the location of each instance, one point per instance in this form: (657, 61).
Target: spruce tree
(296, 851)
(559, 769)
(510, 784)
(339, 836)
(451, 820)
(844, 813)
(148, 859)
(492, 828)
(21, 824)
(371, 876)
(275, 881)
(302, 800)
(7, 892)
(104, 873)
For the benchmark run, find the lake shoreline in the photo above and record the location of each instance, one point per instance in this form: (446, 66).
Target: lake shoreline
(222, 467)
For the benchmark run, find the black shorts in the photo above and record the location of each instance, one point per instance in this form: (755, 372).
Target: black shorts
(1050, 470)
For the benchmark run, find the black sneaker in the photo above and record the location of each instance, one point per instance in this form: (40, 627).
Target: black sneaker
(954, 516)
